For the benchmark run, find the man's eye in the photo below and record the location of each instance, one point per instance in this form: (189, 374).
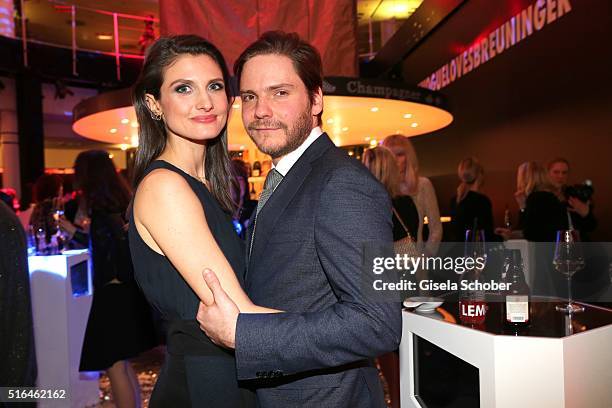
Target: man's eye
(246, 97)
(282, 93)
(182, 89)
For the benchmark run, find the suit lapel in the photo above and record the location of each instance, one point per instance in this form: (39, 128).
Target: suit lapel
(282, 196)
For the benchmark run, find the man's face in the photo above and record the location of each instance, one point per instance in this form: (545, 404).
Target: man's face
(558, 174)
(276, 108)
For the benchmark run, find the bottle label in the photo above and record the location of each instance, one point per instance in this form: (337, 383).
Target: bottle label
(472, 311)
(517, 309)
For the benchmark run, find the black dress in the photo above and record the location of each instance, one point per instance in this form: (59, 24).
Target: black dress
(120, 325)
(196, 372)
(404, 205)
(475, 207)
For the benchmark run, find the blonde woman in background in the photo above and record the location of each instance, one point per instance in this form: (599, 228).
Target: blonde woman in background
(542, 214)
(470, 206)
(420, 189)
(381, 163)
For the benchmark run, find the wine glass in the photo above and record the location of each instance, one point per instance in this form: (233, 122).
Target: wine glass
(567, 261)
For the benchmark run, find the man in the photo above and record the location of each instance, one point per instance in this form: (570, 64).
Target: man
(17, 352)
(581, 212)
(305, 247)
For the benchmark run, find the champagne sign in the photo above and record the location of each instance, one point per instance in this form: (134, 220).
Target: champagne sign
(529, 20)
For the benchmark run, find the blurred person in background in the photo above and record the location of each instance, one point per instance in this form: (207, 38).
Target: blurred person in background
(593, 282)
(241, 196)
(580, 209)
(542, 214)
(381, 162)
(17, 352)
(470, 207)
(420, 189)
(120, 325)
(47, 195)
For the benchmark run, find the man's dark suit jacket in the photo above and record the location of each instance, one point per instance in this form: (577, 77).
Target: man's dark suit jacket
(307, 260)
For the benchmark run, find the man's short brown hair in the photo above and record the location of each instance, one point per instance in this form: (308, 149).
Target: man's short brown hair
(306, 59)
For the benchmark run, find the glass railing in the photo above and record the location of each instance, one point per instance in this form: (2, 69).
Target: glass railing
(80, 28)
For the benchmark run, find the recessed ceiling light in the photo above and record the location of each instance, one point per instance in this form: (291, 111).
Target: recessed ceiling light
(373, 142)
(125, 121)
(113, 130)
(123, 147)
(374, 109)
(241, 147)
(236, 106)
(330, 121)
(344, 129)
(134, 124)
(104, 37)
(407, 115)
(367, 138)
(414, 124)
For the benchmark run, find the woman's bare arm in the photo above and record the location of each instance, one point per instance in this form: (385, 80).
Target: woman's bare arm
(170, 219)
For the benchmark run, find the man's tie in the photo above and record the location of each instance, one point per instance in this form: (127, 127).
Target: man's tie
(272, 181)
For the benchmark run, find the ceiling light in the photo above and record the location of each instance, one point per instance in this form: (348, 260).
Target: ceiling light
(104, 37)
(242, 147)
(110, 155)
(374, 109)
(236, 106)
(134, 124)
(123, 147)
(113, 130)
(407, 115)
(367, 139)
(330, 121)
(344, 129)
(134, 141)
(125, 121)
(414, 124)
(373, 142)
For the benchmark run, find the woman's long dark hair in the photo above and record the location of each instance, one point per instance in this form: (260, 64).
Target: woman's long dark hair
(152, 134)
(102, 187)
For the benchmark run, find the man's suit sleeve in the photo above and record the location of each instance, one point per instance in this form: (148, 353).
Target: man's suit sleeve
(354, 209)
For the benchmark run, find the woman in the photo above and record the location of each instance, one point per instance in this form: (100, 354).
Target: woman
(420, 189)
(470, 207)
(381, 162)
(542, 214)
(119, 325)
(181, 218)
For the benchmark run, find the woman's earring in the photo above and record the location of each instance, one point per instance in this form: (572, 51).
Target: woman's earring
(156, 116)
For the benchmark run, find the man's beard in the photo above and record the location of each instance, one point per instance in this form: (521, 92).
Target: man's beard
(294, 137)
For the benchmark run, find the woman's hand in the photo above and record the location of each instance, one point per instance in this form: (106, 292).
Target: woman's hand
(67, 227)
(577, 206)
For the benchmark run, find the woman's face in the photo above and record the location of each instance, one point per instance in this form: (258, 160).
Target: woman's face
(193, 101)
(400, 158)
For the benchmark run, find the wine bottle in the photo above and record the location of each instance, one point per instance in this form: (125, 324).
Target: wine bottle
(517, 295)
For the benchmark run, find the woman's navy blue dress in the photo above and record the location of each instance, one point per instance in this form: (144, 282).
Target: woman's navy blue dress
(196, 372)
